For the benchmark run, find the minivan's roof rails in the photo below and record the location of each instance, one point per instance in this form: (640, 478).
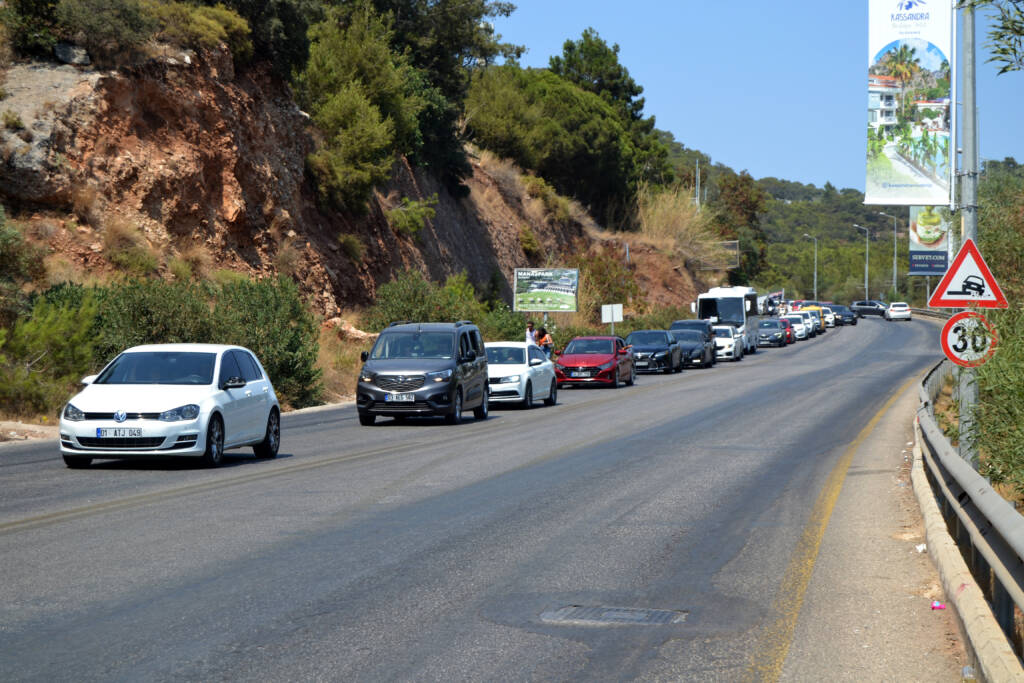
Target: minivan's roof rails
(463, 322)
(400, 322)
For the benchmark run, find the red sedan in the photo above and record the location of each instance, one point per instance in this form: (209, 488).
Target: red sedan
(788, 325)
(595, 360)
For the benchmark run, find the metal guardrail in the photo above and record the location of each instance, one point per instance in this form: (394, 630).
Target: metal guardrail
(931, 313)
(986, 527)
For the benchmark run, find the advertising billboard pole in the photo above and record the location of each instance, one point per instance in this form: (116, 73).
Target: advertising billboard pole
(883, 213)
(968, 381)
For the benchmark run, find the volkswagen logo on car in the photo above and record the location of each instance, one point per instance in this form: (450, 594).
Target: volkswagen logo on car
(120, 416)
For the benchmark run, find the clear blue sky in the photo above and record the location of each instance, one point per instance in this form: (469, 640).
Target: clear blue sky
(778, 89)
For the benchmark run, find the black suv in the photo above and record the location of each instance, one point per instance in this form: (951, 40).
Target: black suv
(418, 369)
(870, 307)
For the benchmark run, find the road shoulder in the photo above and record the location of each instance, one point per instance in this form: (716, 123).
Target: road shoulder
(867, 612)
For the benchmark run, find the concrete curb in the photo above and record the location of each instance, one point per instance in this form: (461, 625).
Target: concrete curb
(993, 654)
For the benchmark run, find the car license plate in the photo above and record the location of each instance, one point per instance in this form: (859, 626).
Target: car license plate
(118, 432)
(580, 374)
(400, 398)
(641, 364)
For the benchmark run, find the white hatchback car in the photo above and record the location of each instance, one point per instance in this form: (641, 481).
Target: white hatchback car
(519, 372)
(172, 400)
(728, 342)
(799, 325)
(897, 310)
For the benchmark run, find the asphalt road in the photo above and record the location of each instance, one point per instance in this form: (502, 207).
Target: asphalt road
(421, 551)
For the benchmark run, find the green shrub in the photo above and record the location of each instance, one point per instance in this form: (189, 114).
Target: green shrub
(352, 247)
(150, 312)
(356, 155)
(44, 354)
(270, 318)
(203, 27)
(226, 276)
(107, 28)
(12, 121)
(529, 242)
(30, 26)
(137, 260)
(412, 216)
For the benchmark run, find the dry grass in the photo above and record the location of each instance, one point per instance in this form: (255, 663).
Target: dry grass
(120, 233)
(339, 360)
(86, 204)
(506, 176)
(60, 269)
(669, 220)
(198, 260)
(288, 259)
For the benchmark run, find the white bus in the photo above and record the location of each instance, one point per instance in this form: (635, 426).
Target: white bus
(736, 306)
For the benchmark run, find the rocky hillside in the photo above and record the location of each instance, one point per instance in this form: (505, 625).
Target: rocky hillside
(209, 165)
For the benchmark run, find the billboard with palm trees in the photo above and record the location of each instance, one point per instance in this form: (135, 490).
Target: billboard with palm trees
(909, 104)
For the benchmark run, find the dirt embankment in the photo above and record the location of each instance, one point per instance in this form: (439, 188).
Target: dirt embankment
(204, 159)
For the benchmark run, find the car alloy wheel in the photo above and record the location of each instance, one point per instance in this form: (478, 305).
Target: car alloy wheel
(528, 396)
(552, 394)
(214, 443)
(271, 439)
(480, 412)
(456, 415)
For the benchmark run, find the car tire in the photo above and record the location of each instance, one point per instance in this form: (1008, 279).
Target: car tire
(367, 419)
(528, 396)
(76, 463)
(267, 449)
(615, 382)
(632, 376)
(214, 454)
(455, 416)
(552, 398)
(480, 412)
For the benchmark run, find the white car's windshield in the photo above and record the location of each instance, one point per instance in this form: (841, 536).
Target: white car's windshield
(160, 367)
(506, 355)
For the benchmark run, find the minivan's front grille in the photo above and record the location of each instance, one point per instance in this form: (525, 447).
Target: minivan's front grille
(400, 382)
(130, 416)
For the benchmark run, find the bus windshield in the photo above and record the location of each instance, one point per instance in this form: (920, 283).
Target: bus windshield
(729, 310)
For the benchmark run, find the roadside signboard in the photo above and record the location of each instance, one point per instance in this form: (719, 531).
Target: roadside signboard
(547, 290)
(611, 313)
(968, 283)
(968, 339)
(929, 240)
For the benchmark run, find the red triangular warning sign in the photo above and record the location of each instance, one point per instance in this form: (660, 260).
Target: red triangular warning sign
(968, 282)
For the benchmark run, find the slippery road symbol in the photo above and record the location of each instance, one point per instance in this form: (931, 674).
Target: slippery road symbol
(971, 286)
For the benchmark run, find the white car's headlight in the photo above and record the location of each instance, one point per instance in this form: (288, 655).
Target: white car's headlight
(508, 380)
(441, 376)
(73, 414)
(181, 413)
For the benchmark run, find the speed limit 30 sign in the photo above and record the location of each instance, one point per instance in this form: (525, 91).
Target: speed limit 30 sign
(968, 339)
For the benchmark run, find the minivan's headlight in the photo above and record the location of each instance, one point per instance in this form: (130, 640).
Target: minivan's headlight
(189, 412)
(440, 376)
(73, 414)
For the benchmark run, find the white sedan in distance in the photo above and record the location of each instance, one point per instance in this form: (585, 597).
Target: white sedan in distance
(519, 372)
(728, 342)
(897, 310)
(172, 401)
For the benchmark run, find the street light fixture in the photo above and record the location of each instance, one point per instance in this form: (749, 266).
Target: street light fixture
(815, 264)
(883, 213)
(859, 227)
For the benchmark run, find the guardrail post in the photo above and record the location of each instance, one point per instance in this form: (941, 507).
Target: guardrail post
(1002, 608)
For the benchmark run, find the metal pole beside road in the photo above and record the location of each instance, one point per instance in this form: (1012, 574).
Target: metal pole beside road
(894, 281)
(968, 382)
(815, 265)
(867, 297)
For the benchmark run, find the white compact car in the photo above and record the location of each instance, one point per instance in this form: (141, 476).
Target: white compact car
(728, 342)
(897, 310)
(172, 400)
(519, 372)
(799, 325)
(830, 317)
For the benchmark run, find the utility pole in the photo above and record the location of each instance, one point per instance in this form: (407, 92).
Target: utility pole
(698, 184)
(815, 264)
(866, 296)
(894, 281)
(968, 384)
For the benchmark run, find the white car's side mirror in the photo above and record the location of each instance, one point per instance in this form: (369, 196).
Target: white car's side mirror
(89, 379)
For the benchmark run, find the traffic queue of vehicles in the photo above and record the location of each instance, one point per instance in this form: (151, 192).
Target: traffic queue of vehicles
(197, 400)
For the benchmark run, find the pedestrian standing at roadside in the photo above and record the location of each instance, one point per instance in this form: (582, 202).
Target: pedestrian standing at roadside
(531, 334)
(545, 342)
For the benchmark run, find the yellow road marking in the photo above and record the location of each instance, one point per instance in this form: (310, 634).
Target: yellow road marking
(769, 658)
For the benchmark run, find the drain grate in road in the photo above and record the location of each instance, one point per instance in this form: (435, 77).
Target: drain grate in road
(575, 615)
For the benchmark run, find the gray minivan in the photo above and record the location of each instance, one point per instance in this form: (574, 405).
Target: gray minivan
(422, 369)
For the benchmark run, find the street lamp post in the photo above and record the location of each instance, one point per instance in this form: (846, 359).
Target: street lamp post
(815, 264)
(866, 296)
(883, 213)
